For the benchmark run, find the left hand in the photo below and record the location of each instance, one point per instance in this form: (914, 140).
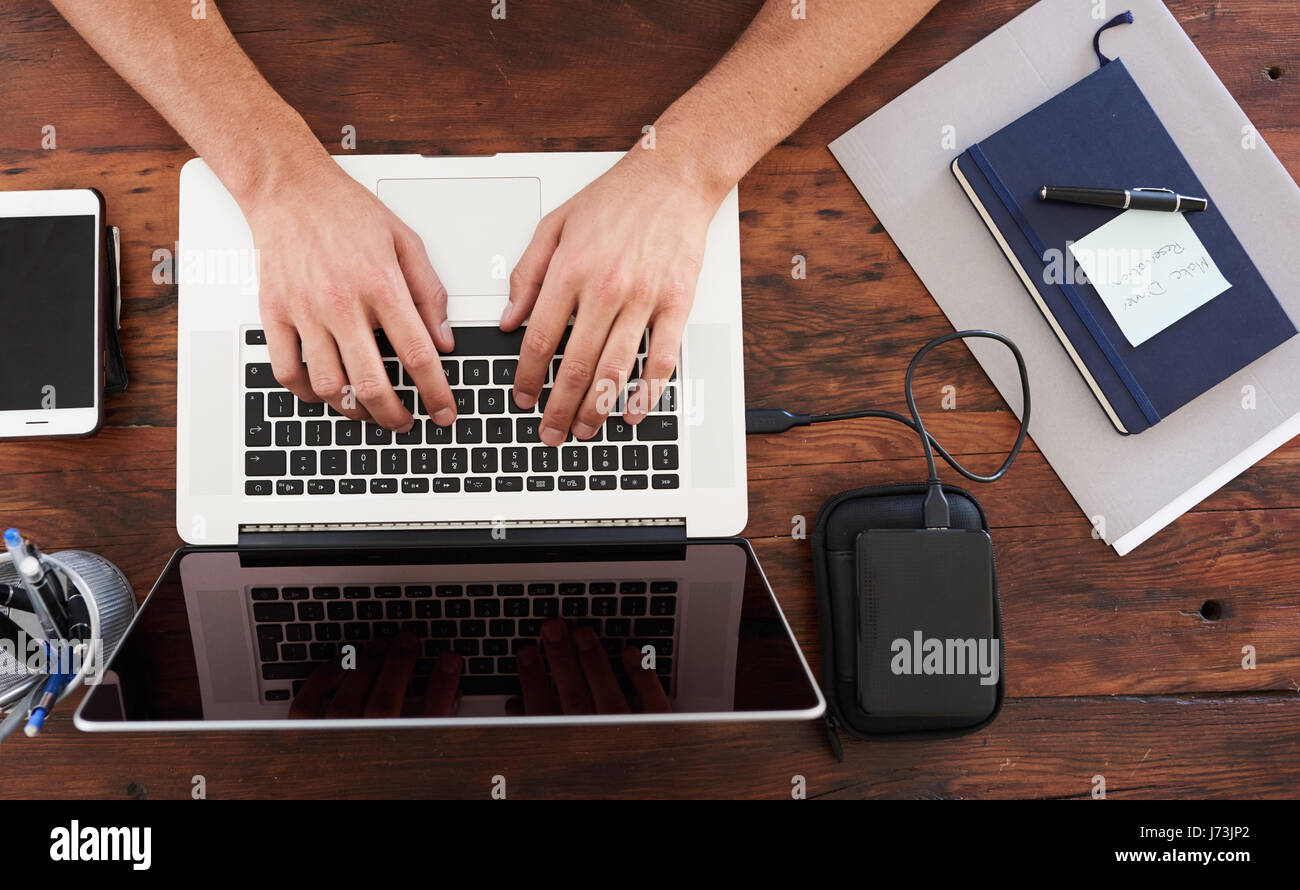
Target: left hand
(621, 256)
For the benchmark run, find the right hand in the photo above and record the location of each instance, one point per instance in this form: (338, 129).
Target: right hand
(335, 264)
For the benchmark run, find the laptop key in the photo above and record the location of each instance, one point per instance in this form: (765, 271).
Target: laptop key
(541, 483)
(545, 460)
(498, 430)
(479, 484)
(444, 485)
(491, 401)
(279, 404)
(503, 371)
(265, 463)
(256, 487)
(302, 463)
(288, 433)
(664, 457)
(665, 480)
(657, 428)
(636, 457)
(604, 483)
(604, 457)
(352, 486)
(451, 369)
(635, 482)
(333, 462)
(255, 337)
(618, 430)
(415, 486)
(319, 432)
(311, 409)
(364, 462)
(528, 430)
(378, 435)
(277, 612)
(383, 486)
(454, 460)
(510, 483)
(347, 432)
(574, 458)
(392, 461)
(258, 375)
(474, 372)
(573, 483)
(424, 461)
(469, 431)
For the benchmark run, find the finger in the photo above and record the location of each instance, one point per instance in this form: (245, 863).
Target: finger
(390, 686)
(533, 685)
(590, 330)
(310, 700)
(646, 683)
(600, 676)
(286, 359)
(575, 697)
(528, 274)
(427, 292)
(325, 372)
(661, 359)
(367, 377)
(415, 350)
(350, 700)
(443, 692)
(545, 329)
(612, 374)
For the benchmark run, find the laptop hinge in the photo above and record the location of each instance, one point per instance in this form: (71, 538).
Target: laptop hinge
(406, 534)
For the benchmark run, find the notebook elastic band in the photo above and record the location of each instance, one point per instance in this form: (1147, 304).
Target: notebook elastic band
(1124, 18)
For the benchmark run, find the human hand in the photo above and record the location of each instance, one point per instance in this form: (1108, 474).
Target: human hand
(375, 686)
(336, 264)
(622, 255)
(584, 680)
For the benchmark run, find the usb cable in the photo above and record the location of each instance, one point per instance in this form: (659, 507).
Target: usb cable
(766, 421)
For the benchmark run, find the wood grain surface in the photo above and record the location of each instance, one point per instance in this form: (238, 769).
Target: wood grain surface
(1124, 667)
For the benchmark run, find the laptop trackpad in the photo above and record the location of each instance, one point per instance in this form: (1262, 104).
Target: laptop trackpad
(474, 229)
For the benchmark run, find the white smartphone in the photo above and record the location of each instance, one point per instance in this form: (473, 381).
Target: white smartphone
(52, 313)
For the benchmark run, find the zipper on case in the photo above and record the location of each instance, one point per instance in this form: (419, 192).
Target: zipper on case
(833, 736)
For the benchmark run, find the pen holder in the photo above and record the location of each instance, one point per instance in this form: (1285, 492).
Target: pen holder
(110, 600)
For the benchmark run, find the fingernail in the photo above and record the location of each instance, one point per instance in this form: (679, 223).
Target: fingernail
(525, 400)
(506, 311)
(445, 330)
(553, 631)
(583, 430)
(552, 436)
(444, 417)
(585, 639)
(527, 656)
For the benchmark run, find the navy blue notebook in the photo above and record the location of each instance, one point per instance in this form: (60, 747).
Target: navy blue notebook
(1101, 132)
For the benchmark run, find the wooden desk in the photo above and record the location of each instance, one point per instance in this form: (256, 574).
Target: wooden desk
(1128, 668)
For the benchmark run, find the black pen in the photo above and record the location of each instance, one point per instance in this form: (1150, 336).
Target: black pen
(1167, 200)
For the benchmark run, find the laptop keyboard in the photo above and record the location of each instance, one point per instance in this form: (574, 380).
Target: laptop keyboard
(299, 627)
(294, 448)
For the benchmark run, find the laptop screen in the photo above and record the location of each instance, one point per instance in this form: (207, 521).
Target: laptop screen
(515, 633)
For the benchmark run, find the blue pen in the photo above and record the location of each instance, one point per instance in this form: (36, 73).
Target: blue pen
(44, 590)
(54, 686)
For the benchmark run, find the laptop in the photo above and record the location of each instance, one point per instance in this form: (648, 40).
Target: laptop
(317, 536)
(230, 637)
(252, 460)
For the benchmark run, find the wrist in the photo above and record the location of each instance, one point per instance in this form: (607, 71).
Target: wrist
(673, 151)
(271, 162)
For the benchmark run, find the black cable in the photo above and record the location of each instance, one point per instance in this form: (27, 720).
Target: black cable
(778, 420)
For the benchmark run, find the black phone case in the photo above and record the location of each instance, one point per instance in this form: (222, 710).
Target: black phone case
(834, 541)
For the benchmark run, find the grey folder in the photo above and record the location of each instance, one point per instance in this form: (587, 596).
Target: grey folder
(1129, 487)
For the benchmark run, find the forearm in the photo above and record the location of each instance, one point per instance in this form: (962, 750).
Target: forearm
(778, 73)
(195, 74)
